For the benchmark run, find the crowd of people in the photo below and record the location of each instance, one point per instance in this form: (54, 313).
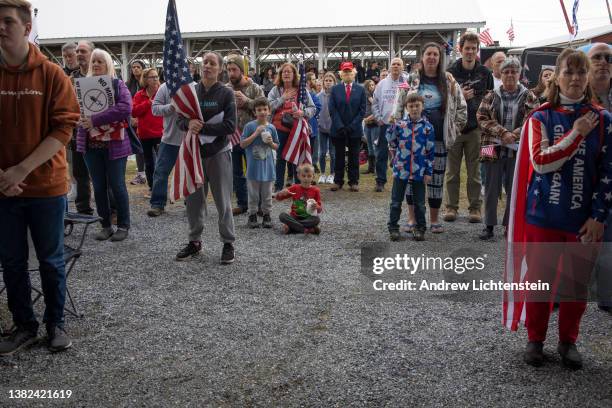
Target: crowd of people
(420, 122)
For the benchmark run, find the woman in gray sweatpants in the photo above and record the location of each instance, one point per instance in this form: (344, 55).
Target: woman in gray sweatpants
(218, 108)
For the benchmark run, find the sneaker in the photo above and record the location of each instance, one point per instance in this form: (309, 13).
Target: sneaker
(155, 212)
(252, 223)
(267, 221)
(19, 339)
(451, 215)
(379, 188)
(284, 229)
(534, 353)
(104, 234)
(58, 339)
(322, 179)
(336, 187)
(570, 357)
(316, 230)
(330, 179)
(238, 210)
(119, 235)
(192, 249)
(486, 234)
(227, 254)
(354, 187)
(418, 234)
(394, 235)
(138, 179)
(475, 217)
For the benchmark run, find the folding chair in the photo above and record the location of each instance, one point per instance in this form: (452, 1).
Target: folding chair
(72, 253)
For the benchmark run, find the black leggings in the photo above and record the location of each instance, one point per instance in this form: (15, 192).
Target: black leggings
(149, 150)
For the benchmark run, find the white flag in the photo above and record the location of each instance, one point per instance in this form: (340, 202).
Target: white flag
(34, 33)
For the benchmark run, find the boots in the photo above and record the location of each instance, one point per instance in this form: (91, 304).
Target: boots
(371, 161)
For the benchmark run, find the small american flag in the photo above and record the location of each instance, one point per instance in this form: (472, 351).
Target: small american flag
(188, 172)
(235, 137)
(510, 32)
(485, 37)
(488, 151)
(298, 150)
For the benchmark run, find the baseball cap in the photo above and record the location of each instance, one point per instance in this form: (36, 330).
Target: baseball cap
(346, 66)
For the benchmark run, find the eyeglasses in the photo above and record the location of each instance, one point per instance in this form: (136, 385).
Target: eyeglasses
(602, 56)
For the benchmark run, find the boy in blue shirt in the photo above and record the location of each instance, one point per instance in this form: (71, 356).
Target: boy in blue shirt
(259, 139)
(411, 142)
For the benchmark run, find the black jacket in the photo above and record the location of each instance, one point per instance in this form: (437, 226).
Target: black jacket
(219, 98)
(481, 80)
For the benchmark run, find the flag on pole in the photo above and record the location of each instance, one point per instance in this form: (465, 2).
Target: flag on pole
(298, 149)
(33, 38)
(188, 172)
(510, 32)
(485, 38)
(575, 19)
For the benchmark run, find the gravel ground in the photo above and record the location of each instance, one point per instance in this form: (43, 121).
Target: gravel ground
(293, 322)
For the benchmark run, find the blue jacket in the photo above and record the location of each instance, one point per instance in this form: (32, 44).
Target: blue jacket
(347, 115)
(572, 177)
(314, 121)
(414, 142)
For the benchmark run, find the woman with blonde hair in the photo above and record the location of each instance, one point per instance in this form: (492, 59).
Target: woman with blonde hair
(105, 145)
(325, 123)
(544, 79)
(285, 110)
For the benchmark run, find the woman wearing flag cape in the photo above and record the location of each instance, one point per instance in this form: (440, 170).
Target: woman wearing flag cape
(561, 196)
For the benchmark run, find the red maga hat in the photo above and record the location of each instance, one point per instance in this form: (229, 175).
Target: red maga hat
(346, 66)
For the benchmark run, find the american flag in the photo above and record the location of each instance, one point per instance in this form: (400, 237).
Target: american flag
(298, 150)
(485, 37)
(488, 151)
(510, 32)
(575, 19)
(188, 172)
(235, 137)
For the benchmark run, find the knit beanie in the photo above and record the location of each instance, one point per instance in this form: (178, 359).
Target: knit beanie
(236, 60)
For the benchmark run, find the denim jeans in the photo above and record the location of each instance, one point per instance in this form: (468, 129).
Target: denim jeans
(104, 173)
(166, 158)
(240, 184)
(325, 145)
(314, 145)
(44, 217)
(150, 148)
(371, 134)
(382, 155)
(398, 191)
(280, 162)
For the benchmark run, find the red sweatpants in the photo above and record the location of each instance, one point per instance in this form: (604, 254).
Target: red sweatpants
(547, 262)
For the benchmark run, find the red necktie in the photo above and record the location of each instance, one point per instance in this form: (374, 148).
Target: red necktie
(348, 92)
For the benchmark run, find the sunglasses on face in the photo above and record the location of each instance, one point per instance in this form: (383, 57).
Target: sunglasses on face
(602, 56)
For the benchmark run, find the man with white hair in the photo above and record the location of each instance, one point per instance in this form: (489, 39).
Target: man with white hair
(70, 58)
(383, 108)
(599, 79)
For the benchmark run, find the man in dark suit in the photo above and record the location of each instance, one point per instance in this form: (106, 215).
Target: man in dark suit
(347, 105)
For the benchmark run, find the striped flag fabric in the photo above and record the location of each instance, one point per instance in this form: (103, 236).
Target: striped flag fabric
(485, 37)
(575, 19)
(488, 151)
(235, 137)
(510, 32)
(188, 171)
(298, 149)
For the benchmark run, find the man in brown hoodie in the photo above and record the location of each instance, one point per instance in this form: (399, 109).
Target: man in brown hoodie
(38, 110)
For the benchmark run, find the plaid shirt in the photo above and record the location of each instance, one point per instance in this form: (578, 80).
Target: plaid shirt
(495, 123)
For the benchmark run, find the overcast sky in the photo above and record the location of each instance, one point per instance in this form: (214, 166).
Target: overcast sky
(533, 20)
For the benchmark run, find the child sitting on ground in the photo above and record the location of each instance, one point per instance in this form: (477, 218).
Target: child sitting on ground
(258, 140)
(306, 204)
(414, 139)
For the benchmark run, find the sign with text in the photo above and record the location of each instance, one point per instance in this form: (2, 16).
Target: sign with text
(95, 94)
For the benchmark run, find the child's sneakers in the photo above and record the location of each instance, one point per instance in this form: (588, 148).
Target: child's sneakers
(252, 223)
(284, 229)
(314, 230)
(322, 179)
(267, 221)
(418, 234)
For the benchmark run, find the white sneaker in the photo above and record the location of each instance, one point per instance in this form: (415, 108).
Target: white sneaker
(330, 179)
(322, 179)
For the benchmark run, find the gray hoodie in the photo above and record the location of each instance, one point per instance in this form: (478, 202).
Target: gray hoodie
(325, 120)
(161, 107)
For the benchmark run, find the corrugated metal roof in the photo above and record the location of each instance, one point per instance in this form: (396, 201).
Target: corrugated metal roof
(581, 37)
(135, 18)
